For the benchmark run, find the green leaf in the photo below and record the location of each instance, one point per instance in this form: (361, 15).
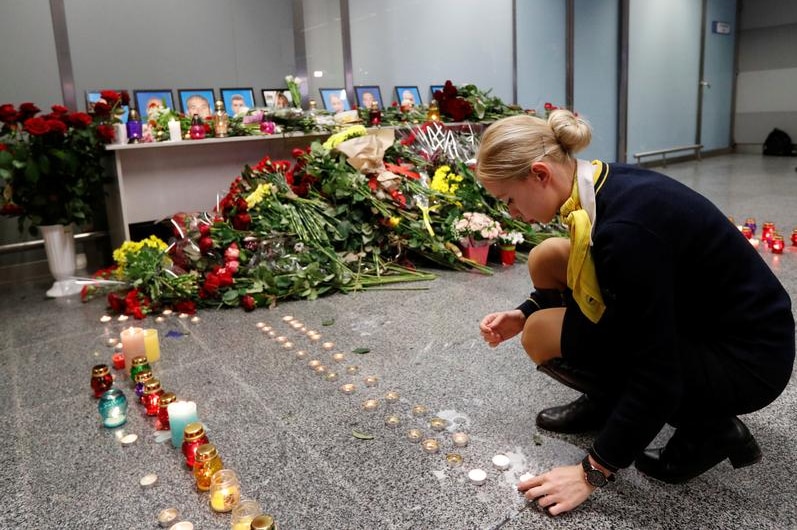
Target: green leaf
(361, 435)
(328, 322)
(360, 351)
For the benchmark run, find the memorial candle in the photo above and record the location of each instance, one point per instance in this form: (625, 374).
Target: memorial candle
(132, 345)
(152, 345)
(181, 413)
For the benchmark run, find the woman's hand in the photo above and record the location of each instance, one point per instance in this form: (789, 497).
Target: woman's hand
(498, 327)
(559, 490)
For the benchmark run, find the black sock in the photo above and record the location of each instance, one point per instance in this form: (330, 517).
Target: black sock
(542, 299)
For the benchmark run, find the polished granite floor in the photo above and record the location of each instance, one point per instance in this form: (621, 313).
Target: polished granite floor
(289, 433)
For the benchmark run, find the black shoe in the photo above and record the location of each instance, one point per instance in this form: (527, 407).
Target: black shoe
(582, 415)
(690, 453)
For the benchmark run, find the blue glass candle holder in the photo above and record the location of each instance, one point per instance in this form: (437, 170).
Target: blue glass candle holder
(113, 408)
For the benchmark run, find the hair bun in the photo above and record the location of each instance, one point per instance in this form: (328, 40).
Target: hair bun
(573, 133)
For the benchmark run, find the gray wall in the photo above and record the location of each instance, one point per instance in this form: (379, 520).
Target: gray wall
(767, 80)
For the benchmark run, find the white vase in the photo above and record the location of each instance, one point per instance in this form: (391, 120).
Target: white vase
(59, 243)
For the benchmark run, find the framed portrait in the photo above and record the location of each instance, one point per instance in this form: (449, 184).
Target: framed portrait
(335, 99)
(367, 95)
(199, 101)
(408, 95)
(277, 98)
(93, 96)
(148, 100)
(237, 100)
(435, 88)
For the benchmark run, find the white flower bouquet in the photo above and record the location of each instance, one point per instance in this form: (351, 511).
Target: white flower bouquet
(510, 239)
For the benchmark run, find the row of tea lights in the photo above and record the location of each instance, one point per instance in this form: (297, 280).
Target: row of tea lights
(187, 433)
(769, 235)
(428, 444)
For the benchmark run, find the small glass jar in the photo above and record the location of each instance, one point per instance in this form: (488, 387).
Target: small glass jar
(113, 408)
(207, 463)
(101, 379)
(134, 127)
(751, 224)
(374, 114)
(225, 490)
(193, 436)
(433, 114)
(221, 121)
(794, 237)
(152, 396)
(777, 244)
(263, 522)
(197, 130)
(243, 513)
(163, 410)
(138, 365)
(141, 379)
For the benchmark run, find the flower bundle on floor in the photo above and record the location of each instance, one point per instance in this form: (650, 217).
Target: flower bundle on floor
(358, 211)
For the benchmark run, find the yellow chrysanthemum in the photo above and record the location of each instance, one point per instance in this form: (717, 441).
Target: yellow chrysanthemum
(394, 222)
(260, 193)
(445, 181)
(338, 138)
(130, 248)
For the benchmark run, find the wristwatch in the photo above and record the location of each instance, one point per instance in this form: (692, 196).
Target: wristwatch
(593, 475)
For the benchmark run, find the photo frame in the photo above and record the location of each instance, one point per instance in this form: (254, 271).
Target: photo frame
(149, 99)
(199, 101)
(408, 93)
(365, 94)
(237, 100)
(93, 96)
(277, 98)
(435, 88)
(335, 99)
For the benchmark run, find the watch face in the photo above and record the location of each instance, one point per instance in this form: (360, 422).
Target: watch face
(596, 478)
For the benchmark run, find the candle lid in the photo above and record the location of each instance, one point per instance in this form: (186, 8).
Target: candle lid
(143, 376)
(138, 361)
(206, 452)
(152, 386)
(100, 370)
(193, 431)
(166, 398)
(262, 522)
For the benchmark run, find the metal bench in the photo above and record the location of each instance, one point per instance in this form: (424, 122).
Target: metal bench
(664, 152)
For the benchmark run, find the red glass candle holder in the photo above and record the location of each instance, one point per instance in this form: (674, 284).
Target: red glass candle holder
(152, 396)
(193, 436)
(118, 361)
(101, 379)
(163, 410)
(747, 232)
(777, 244)
(794, 238)
(767, 231)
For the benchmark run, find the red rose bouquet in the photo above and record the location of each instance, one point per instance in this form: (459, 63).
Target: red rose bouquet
(51, 169)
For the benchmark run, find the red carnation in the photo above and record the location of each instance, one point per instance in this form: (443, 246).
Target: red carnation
(106, 132)
(37, 126)
(185, 306)
(204, 229)
(241, 221)
(297, 153)
(116, 302)
(248, 302)
(205, 244)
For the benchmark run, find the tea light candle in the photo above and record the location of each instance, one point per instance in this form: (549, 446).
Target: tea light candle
(105, 319)
(281, 339)
(454, 459)
(152, 347)
(132, 345)
(112, 341)
(148, 480)
(477, 476)
(314, 337)
(353, 369)
(460, 439)
(328, 345)
(414, 435)
(271, 333)
(501, 462)
(300, 354)
(392, 421)
(348, 388)
(166, 312)
(266, 329)
(181, 413)
(182, 525)
(287, 345)
(260, 325)
(287, 318)
(296, 324)
(331, 376)
(194, 320)
(392, 396)
(167, 517)
(338, 357)
(419, 410)
(312, 332)
(430, 446)
(370, 404)
(371, 381)
(160, 320)
(183, 315)
(313, 363)
(525, 476)
(320, 369)
(122, 318)
(438, 424)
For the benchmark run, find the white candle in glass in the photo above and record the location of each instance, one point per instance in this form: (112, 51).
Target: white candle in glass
(181, 413)
(175, 133)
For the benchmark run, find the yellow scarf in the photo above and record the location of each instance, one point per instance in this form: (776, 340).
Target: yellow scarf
(581, 276)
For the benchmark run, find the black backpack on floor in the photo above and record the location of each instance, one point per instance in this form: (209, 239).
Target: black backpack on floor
(778, 143)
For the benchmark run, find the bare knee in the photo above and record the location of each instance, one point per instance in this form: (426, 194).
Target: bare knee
(540, 337)
(548, 263)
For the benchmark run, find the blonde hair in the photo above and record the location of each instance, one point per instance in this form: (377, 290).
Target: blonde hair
(511, 145)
